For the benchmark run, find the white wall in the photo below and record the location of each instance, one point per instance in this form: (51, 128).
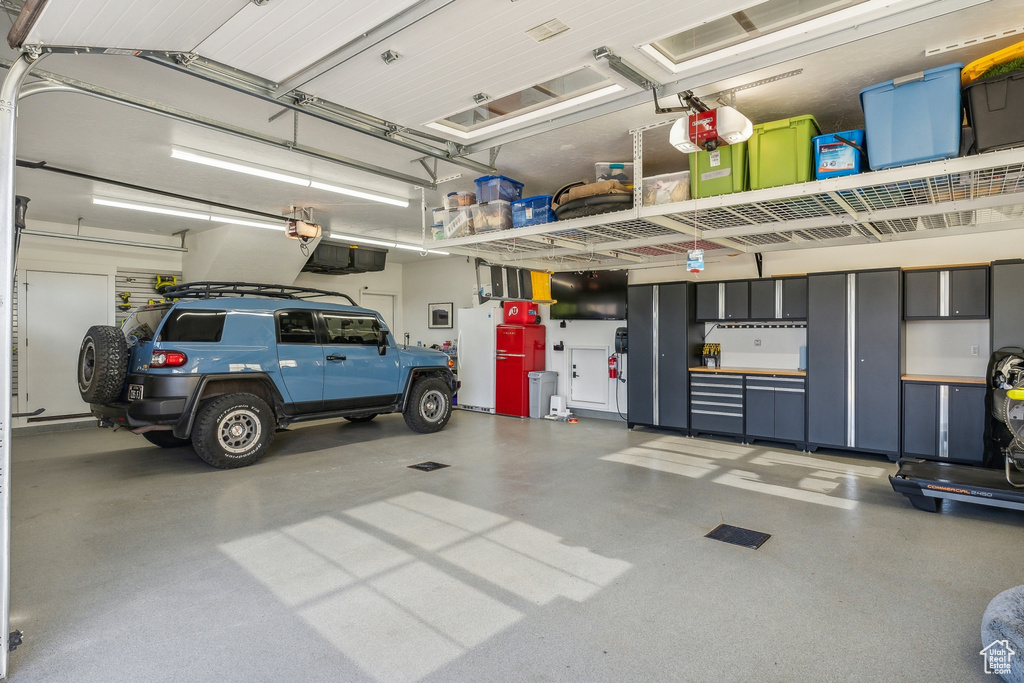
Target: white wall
(585, 334)
(779, 348)
(977, 248)
(943, 347)
(428, 281)
(69, 256)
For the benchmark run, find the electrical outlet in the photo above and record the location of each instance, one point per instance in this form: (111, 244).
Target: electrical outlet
(757, 342)
(975, 349)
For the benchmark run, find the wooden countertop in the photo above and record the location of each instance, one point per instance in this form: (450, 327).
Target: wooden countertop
(751, 371)
(949, 379)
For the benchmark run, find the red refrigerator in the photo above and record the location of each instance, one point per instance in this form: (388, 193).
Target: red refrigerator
(520, 350)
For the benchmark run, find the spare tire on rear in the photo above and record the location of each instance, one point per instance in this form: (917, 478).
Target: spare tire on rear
(102, 364)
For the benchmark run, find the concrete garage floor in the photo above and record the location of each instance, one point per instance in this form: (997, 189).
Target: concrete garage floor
(546, 552)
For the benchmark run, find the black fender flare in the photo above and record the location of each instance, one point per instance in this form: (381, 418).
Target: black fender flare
(183, 428)
(415, 373)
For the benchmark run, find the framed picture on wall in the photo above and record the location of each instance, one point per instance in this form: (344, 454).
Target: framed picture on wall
(439, 316)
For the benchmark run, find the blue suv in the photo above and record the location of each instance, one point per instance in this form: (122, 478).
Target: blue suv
(221, 366)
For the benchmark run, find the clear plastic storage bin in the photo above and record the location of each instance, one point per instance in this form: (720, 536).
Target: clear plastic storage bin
(455, 200)
(494, 215)
(666, 188)
(492, 187)
(615, 170)
(459, 223)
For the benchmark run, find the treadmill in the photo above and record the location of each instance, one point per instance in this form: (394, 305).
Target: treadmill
(926, 483)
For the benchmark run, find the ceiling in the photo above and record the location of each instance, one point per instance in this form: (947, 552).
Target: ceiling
(449, 50)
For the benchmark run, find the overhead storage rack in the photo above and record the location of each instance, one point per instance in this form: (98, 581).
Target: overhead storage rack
(968, 194)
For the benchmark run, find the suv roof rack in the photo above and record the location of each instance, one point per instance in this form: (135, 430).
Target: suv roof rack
(214, 290)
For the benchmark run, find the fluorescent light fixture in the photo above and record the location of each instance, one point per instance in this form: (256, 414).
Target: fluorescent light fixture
(150, 209)
(187, 214)
(272, 174)
(251, 224)
(528, 116)
(317, 185)
(380, 243)
(226, 164)
(361, 240)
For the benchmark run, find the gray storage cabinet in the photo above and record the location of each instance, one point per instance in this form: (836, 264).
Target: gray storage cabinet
(1007, 304)
(853, 361)
(737, 300)
(950, 293)
(944, 421)
(640, 356)
(794, 298)
(774, 408)
(762, 300)
(663, 341)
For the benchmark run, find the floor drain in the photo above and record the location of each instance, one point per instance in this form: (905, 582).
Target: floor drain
(429, 466)
(738, 536)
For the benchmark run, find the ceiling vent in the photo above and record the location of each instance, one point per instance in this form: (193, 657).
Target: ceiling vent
(547, 30)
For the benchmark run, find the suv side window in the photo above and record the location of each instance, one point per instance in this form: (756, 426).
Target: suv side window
(193, 326)
(296, 327)
(351, 328)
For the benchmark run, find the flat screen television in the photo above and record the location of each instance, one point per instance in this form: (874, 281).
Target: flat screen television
(593, 295)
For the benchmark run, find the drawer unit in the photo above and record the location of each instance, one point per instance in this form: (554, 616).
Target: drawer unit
(716, 403)
(775, 408)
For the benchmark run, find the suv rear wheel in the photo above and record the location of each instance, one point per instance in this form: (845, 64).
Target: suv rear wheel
(165, 439)
(102, 364)
(233, 430)
(429, 406)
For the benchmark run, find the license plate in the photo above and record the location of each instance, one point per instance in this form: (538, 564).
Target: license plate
(134, 392)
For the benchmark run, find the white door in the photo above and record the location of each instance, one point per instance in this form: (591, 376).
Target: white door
(383, 304)
(588, 376)
(59, 310)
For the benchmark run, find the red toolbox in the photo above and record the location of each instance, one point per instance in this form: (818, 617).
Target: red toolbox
(521, 312)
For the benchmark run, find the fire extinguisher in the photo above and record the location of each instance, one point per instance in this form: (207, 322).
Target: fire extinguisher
(613, 367)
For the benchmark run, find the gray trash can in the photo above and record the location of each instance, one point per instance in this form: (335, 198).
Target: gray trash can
(543, 385)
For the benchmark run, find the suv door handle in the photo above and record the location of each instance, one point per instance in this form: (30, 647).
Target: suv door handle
(337, 357)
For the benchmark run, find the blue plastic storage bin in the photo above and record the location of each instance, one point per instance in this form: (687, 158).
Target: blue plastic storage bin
(913, 119)
(835, 156)
(491, 187)
(532, 211)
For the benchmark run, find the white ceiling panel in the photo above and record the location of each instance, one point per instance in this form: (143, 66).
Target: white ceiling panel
(446, 58)
(130, 24)
(280, 38)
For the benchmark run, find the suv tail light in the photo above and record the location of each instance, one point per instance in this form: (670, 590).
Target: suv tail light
(167, 359)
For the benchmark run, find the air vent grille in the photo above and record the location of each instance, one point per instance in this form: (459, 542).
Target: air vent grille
(547, 30)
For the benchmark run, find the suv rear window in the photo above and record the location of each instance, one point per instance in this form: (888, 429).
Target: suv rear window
(142, 323)
(193, 326)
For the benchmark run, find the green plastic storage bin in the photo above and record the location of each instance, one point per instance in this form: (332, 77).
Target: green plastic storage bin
(782, 152)
(719, 172)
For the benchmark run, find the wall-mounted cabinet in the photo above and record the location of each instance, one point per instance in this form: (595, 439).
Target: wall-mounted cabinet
(948, 293)
(757, 300)
(1007, 304)
(944, 421)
